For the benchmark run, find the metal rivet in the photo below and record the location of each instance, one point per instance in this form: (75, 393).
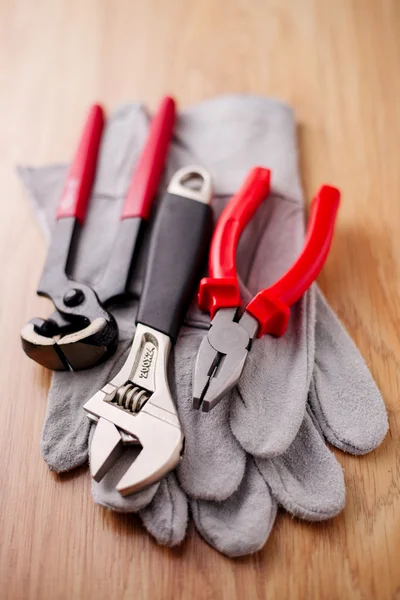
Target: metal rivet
(74, 297)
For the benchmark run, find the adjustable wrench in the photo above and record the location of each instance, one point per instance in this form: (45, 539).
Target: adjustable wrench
(136, 406)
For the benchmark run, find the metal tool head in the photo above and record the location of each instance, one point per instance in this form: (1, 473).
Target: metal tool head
(136, 407)
(80, 334)
(221, 357)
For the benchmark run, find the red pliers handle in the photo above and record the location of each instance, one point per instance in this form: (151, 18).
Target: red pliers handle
(145, 179)
(76, 192)
(271, 307)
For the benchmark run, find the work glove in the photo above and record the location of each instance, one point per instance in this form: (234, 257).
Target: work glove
(263, 444)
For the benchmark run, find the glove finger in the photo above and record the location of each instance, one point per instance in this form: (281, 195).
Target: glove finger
(213, 463)
(343, 395)
(104, 492)
(269, 402)
(166, 517)
(44, 186)
(306, 480)
(241, 524)
(64, 442)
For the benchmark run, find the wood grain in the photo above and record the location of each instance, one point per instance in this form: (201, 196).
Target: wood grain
(338, 64)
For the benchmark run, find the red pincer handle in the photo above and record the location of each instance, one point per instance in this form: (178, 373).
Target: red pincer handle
(146, 177)
(271, 307)
(78, 185)
(221, 289)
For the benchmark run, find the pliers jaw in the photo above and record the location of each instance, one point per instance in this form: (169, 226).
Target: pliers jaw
(136, 407)
(79, 350)
(74, 337)
(221, 357)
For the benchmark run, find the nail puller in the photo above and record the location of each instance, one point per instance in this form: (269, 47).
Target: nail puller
(136, 407)
(82, 332)
(223, 351)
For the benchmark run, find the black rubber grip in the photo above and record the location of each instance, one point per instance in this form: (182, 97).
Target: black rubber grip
(179, 242)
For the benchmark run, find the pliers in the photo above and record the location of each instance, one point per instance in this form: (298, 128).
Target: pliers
(82, 332)
(136, 407)
(223, 351)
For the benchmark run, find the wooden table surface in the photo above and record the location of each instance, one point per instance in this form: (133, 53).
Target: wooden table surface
(337, 62)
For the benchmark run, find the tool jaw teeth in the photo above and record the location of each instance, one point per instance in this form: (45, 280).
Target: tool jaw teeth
(204, 359)
(224, 381)
(220, 359)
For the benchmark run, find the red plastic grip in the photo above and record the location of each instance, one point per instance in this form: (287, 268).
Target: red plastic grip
(221, 289)
(271, 307)
(147, 174)
(76, 192)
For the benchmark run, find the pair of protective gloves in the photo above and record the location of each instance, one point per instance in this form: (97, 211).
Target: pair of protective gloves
(265, 444)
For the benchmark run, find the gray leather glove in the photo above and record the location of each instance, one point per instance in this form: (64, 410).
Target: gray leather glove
(233, 493)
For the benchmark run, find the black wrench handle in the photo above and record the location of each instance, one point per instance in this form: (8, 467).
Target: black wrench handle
(178, 247)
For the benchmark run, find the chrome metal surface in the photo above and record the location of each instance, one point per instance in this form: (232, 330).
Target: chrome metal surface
(77, 350)
(137, 406)
(250, 324)
(221, 357)
(192, 182)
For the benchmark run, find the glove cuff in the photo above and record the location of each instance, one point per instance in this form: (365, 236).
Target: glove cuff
(231, 134)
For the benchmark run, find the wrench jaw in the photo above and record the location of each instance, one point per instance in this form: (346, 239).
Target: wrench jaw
(106, 452)
(161, 451)
(137, 407)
